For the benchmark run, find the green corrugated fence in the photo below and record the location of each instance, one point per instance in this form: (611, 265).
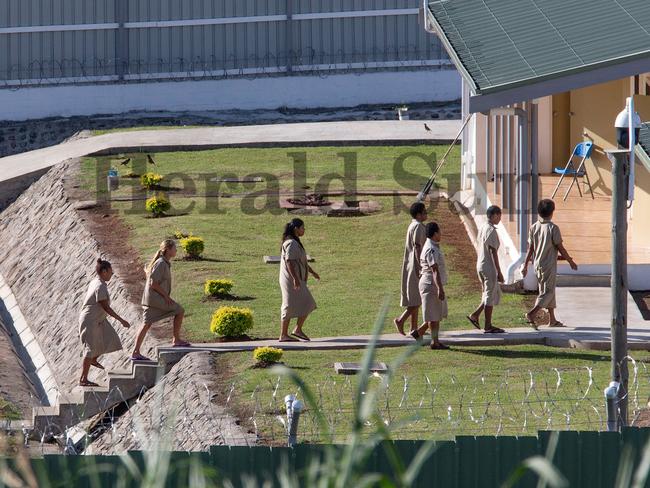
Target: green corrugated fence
(586, 459)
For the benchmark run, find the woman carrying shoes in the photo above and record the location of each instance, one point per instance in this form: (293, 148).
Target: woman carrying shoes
(297, 301)
(95, 331)
(157, 304)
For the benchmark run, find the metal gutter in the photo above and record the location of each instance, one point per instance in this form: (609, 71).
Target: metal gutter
(429, 21)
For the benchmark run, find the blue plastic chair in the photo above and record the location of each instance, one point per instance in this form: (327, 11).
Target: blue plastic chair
(582, 151)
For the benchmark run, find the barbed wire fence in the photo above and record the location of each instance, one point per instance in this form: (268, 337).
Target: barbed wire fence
(307, 61)
(423, 405)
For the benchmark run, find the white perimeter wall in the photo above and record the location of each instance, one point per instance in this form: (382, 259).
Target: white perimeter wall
(345, 90)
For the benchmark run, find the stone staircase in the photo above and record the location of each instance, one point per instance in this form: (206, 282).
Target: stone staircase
(84, 403)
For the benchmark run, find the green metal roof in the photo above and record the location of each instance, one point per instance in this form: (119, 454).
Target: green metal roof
(504, 44)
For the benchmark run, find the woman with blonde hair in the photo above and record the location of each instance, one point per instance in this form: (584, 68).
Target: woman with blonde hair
(95, 331)
(157, 303)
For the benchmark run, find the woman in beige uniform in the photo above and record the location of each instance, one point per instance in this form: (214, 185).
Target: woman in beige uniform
(415, 239)
(97, 335)
(157, 303)
(297, 301)
(432, 283)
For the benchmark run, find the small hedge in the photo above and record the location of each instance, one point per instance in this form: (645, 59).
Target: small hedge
(193, 246)
(150, 181)
(157, 205)
(231, 321)
(267, 355)
(179, 234)
(218, 288)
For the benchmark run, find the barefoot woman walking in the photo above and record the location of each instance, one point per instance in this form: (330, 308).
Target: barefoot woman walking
(157, 304)
(297, 301)
(97, 335)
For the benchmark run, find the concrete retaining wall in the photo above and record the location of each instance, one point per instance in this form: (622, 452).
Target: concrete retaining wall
(345, 90)
(47, 262)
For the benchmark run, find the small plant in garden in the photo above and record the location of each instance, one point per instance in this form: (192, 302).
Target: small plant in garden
(231, 321)
(218, 288)
(265, 356)
(179, 234)
(193, 246)
(157, 205)
(150, 181)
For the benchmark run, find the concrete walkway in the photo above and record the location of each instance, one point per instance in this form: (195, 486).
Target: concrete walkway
(585, 312)
(380, 132)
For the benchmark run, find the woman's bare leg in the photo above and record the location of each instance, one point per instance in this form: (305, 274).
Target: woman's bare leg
(414, 318)
(178, 322)
(299, 323)
(284, 333)
(140, 339)
(84, 369)
(408, 312)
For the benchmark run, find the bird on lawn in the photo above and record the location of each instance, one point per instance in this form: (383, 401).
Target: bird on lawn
(427, 128)
(150, 160)
(126, 161)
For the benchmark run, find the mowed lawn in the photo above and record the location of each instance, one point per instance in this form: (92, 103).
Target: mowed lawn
(440, 394)
(358, 258)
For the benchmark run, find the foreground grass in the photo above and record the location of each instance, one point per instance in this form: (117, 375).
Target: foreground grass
(466, 391)
(359, 259)
(8, 411)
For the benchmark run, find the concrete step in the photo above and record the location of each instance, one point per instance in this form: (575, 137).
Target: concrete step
(584, 280)
(83, 403)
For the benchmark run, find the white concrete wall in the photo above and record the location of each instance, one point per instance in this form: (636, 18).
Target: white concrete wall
(345, 90)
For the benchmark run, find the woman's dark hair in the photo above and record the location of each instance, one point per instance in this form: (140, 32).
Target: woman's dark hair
(290, 231)
(417, 208)
(493, 210)
(432, 228)
(545, 208)
(102, 265)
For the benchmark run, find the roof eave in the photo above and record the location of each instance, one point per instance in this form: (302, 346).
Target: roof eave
(558, 83)
(437, 29)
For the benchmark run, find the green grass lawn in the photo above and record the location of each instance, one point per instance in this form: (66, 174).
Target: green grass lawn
(466, 391)
(359, 259)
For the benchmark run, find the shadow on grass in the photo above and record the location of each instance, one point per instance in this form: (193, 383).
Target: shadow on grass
(556, 354)
(228, 298)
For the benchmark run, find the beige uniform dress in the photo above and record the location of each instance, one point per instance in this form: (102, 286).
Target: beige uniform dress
(433, 309)
(153, 304)
(415, 235)
(300, 302)
(97, 335)
(488, 239)
(545, 238)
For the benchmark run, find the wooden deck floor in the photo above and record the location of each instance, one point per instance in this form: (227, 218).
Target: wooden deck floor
(585, 223)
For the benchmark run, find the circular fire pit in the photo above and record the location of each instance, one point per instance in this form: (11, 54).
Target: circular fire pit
(316, 204)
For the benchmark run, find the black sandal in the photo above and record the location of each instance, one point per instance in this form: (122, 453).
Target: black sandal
(474, 322)
(494, 330)
(439, 346)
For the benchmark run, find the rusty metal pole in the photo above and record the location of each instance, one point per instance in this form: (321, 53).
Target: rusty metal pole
(620, 172)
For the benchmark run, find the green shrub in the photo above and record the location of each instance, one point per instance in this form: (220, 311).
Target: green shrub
(217, 288)
(150, 181)
(193, 246)
(157, 205)
(231, 321)
(267, 355)
(179, 234)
